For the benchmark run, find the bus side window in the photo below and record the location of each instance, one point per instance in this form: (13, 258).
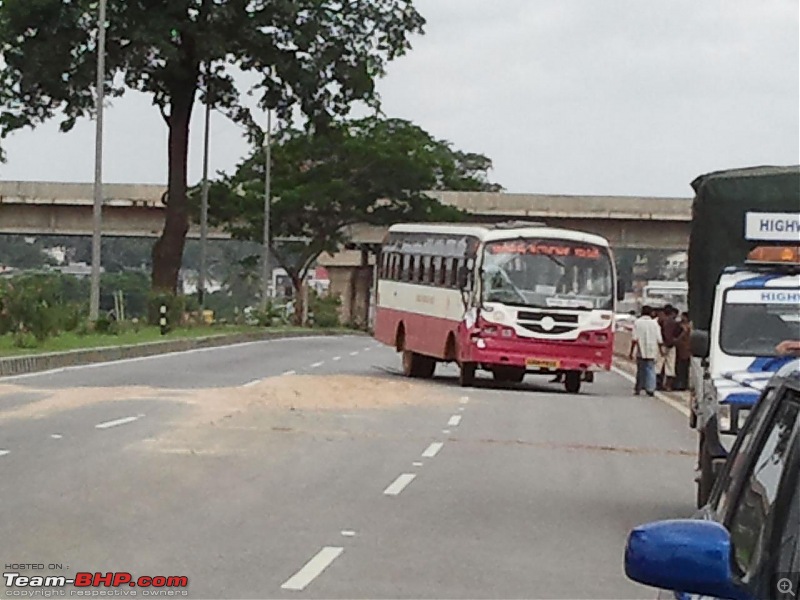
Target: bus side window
(457, 264)
(436, 268)
(382, 273)
(441, 273)
(405, 272)
(395, 266)
(420, 277)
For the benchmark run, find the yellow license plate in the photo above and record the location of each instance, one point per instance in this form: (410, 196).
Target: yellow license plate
(542, 363)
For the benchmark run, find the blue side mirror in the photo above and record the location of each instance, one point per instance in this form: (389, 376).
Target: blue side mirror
(684, 555)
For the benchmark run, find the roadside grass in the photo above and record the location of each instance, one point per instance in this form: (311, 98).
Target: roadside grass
(73, 341)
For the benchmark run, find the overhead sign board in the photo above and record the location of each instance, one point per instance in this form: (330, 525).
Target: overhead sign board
(772, 227)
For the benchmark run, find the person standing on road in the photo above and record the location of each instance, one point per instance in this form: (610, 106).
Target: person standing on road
(670, 329)
(646, 345)
(683, 354)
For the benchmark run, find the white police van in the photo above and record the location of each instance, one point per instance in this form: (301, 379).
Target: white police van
(756, 308)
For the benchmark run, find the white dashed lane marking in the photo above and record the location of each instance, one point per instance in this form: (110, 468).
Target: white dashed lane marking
(4, 452)
(355, 353)
(252, 383)
(454, 421)
(335, 358)
(399, 484)
(116, 422)
(432, 450)
(290, 372)
(56, 436)
(416, 464)
(464, 399)
(317, 364)
(321, 561)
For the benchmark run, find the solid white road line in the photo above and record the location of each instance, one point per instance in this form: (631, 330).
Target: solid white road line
(399, 484)
(432, 450)
(123, 361)
(116, 422)
(317, 364)
(312, 568)
(56, 436)
(290, 372)
(663, 397)
(454, 421)
(4, 452)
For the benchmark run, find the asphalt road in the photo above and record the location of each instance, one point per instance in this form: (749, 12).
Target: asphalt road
(521, 492)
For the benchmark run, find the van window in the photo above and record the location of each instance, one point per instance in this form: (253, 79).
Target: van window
(757, 498)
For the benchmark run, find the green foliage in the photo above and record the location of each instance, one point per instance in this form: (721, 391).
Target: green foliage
(176, 306)
(325, 310)
(18, 252)
(318, 56)
(35, 304)
(370, 170)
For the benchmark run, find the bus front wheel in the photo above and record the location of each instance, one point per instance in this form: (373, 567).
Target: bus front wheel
(466, 374)
(572, 381)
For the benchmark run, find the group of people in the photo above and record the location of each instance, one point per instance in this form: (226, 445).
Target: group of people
(661, 347)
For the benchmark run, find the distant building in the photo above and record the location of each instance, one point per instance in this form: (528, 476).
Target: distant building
(77, 269)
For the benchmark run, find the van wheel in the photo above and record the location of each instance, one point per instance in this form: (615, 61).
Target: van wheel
(572, 382)
(466, 374)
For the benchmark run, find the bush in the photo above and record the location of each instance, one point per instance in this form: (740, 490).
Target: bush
(25, 339)
(176, 305)
(325, 310)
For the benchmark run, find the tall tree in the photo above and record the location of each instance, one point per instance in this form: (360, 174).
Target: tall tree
(319, 56)
(373, 171)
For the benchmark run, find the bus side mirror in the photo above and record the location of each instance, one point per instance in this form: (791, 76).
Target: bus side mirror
(463, 278)
(620, 290)
(700, 343)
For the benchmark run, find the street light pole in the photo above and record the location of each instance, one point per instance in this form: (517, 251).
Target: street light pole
(201, 283)
(266, 273)
(97, 213)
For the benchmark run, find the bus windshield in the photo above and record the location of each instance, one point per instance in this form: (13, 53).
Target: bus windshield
(548, 274)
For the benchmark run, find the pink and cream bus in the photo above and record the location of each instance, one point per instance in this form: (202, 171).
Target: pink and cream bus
(511, 299)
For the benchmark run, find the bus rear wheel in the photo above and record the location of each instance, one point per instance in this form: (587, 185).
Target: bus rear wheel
(418, 365)
(572, 381)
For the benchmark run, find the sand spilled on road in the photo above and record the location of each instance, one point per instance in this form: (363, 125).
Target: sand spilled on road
(308, 393)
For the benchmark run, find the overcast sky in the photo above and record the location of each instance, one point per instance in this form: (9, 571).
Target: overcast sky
(621, 97)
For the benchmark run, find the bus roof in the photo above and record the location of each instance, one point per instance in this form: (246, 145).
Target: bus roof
(488, 233)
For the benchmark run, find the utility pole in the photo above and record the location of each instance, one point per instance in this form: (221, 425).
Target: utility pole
(266, 272)
(201, 282)
(97, 213)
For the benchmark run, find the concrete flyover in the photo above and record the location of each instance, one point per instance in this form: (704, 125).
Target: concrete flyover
(637, 222)
(44, 208)
(137, 210)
